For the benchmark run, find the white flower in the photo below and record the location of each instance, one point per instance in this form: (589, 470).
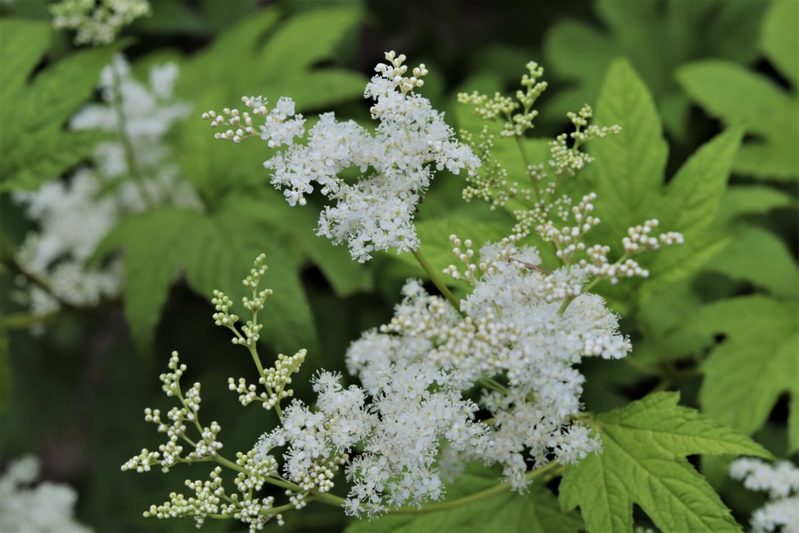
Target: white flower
(396, 163)
(74, 215)
(513, 331)
(29, 508)
(97, 21)
(781, 481)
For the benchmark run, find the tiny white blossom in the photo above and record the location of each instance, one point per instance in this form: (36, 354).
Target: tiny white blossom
(781, 481)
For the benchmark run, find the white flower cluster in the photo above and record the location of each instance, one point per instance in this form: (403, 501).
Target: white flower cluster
(781, 481)
(397, 162)
(25, 507)
(512, 332)
(97, 22)
(130, 174)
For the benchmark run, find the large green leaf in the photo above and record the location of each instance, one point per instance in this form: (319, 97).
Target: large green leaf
(33, 141)
(535, 511)
(761, 258)
(742, 200)
(657, 37)
(756, 362)
(628, 175)
(22, 45)
(629, 167)
(744, 98)
(779, 39)
(643, 462)
(212, 251)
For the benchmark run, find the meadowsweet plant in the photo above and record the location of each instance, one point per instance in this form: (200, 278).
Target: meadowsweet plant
(781, 481)
(97, 22)
(130, 172)
(488, 378)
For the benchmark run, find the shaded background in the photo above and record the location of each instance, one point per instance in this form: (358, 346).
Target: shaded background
(78, 389)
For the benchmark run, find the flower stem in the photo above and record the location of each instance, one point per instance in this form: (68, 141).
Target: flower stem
(437, 281)
(466, 500)
(127, 145)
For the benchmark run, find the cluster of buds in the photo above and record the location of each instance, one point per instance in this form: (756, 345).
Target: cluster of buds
(171, 452)
(568, 239)
(395, 70)
(566, 158)
(239, 124)
(466, 256)
(639, 239)
(504, 107)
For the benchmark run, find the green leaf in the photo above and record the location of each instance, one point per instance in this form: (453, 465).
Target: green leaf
(45, 155)
(345, 275)
(742, 200)
(213, 252)
(656, 37)
(767, 111)
(643, 462)
(22, 45)
(761, 258)
(780, 37)
(534, 511)
(306, 39)
(284, 64)
(34, 145)
(629, 166)
(693, 199)
(757, 361)
(628, 175)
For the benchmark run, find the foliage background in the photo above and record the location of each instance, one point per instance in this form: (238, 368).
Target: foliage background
(716, 329)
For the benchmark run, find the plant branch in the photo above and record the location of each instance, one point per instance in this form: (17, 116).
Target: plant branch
(127, 145)
(550, 468)
(437, 281)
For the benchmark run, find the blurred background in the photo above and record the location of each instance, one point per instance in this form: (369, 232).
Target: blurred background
(75, 383)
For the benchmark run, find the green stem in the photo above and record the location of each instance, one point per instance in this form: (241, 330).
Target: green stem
(526, 160)
(26, 320)
(127, 145)
(324, 497)
(8, 258)
(437, 281)
(466, 500)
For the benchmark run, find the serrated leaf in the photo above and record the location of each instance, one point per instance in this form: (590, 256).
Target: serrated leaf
(34, 145)
(657, 38)
(213, 252)
(628, 175)
(756, 362)
(629, 166)
(345, 275)
(692, 202)
(536, 511)
(643, 462)
(45, 155)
